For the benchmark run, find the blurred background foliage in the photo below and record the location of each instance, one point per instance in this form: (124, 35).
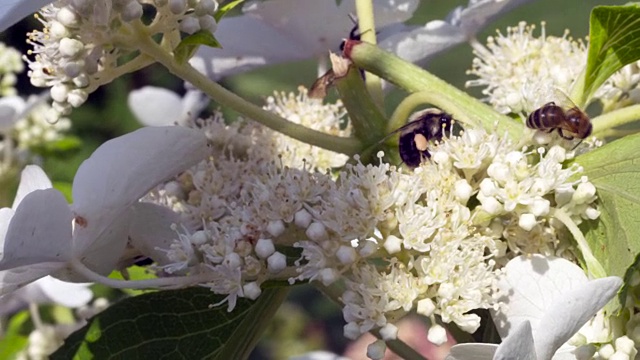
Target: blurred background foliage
(307, 321)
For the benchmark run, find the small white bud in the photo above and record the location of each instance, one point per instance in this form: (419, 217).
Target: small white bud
(317, 232)
(208, 22)
(368, 248)
(462, 191)
(491, 205)
(592, 213)
(206, 7)
(392, 244)
(72, 68)
(527, 221)
(77, 97)
(540, 207)
(625, 345)
(251, 290)
(426, 307)
(389, 332)
(275, 228)
(351, 331)
(173, 188)
(177, 6)
(190, 25)
(132, 11)
(327, 276)
(70, 47)
(606, 351)
(437, 335)
(584, 193)
(276, 262)
(67, 17)
(302, 218)
(375, 350)
(499, 172)
(59, 92)
(487, 187)
(57, 30)
(232, 260)
(346, 255)
(440, 157)
(81, 80)
(199, 238)
(264, 248)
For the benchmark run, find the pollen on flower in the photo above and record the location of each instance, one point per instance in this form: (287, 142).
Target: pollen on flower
(521, 71)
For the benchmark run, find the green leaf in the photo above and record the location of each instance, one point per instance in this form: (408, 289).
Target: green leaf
(13, 341)
(173, 324)
(614, 41)
(614, 238)
(188, 46)
(226, 8)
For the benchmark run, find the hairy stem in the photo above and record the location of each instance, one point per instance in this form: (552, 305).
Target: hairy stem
(615, 118)
(367, 28)
(594, 268)
(148, 46)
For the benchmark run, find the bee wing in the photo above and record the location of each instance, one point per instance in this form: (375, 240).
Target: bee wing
(562, 99)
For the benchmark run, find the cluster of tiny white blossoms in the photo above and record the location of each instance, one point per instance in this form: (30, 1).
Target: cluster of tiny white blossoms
(621, 89)
(312, 113)
(431, 239)
(84, 43)
(35, 130)
(10, 65)
(520, 71)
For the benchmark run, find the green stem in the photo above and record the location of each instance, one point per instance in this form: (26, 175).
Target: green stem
(367, 27)
(414, 79)
(594, 268)
(408, 104)
(399, 347)
(616, 118)
(145, 43)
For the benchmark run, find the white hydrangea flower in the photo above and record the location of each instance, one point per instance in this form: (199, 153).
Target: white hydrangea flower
(521, 72)
(83, 43)
(10, 65)
(312, 113)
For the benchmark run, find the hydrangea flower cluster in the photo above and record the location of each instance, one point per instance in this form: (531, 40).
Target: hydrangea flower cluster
(519, 70)
(84, 43)
(10, 65)
(430, 239)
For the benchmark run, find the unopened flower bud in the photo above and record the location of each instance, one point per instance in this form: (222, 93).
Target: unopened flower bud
(317, 232)
(302, 218)
(346, 255)
(437, 335)
(264, 248)
(276, 262)
(389, 332)
(392, 244)
(251, 290)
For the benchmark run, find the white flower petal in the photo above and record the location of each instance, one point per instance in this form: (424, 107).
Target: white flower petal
(68, 294)
(472, 351)
(566, 315)
(39, 232)
(32, 178)
(284, 30)
(5, 219)
(10, 108)
(418, 44)
(532, 284)
(122, 170)
(151, 230)
(11, 280)
(193, 102)
(119, 173)
(155, 106)
(13, 11)
(518, 345)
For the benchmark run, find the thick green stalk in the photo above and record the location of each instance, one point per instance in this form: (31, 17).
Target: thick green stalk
(368, 123)
(615, 118)
(434, 90)
(367, 27)
(147, 46)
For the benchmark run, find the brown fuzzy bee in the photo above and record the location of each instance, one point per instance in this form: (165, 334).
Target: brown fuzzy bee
(423, 127)
(568, 120)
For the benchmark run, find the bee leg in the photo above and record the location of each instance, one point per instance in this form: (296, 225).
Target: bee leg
(562, 135)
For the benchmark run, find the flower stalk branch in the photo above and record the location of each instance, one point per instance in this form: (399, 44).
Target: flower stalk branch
(367, 30)
(443, 95)
(594, 268)
(225, 97)
(615, 118)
